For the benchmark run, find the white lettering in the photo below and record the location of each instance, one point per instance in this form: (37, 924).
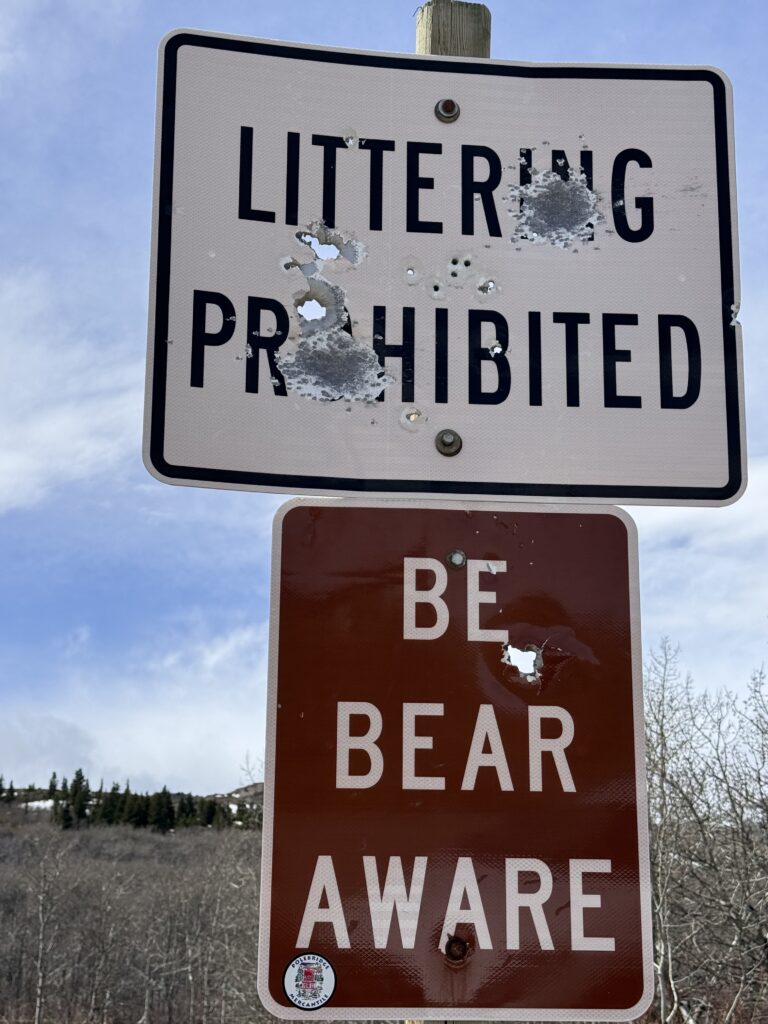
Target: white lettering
(345, 709)
(580, 901)
(465, 884)
(394, 897)
(534, 901)
(486, 728)
(323, 882)
(476, 597)
(412, 743)
(413, 597)
(537, 746)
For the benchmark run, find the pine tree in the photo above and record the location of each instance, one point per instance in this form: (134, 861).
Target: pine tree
(206, 811)
(130, 804)
(142, 811)
(10, 793)
(111, 805)
(53, 786)
(186, 812)
(65, 816)
(80, 797)
(222, 817)
(124, 800)
(161, 814)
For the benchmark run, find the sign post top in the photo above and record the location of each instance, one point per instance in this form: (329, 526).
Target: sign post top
(357, 252)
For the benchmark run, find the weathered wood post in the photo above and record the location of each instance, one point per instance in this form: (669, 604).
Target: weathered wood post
(453, 29)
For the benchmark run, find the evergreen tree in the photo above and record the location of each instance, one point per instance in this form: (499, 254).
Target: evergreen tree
(142, 812)
(124, 800)
(206, 811)
(186, 812)
(111, 806)
(79, 797)
(53, 786)
(136, 811)
(10, 793)
(161, 814)
(222, 817)
(65, 816)
(248, 815)
(2, 787)
(130, 804)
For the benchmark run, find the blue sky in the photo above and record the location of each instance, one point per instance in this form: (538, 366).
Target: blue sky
(133, 614)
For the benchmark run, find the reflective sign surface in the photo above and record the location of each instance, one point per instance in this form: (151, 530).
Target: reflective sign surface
(455, 819)
(353, 292)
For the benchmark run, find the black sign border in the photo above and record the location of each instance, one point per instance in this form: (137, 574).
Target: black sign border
(330, 484)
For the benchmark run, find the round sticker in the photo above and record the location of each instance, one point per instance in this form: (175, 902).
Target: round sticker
(309, 981)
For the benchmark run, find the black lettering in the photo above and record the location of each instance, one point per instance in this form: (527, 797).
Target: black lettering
(534, 358)
(269, 343)
(244, 209)
(330, 144)
(571, 321)
(200, 337)
(561, 166)
(618, 202)
(612, 356)
(441, 354)
(666, 384)
(414, 184)
(404, 351)
(377, 149)
(292, 178)
(526, 177)
(479, 354)
(470, 187)
(526, 163)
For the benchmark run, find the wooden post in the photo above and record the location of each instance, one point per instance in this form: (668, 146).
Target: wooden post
(453, 28)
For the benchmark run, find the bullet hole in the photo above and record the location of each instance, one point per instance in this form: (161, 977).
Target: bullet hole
(311, 310)
(527, 661)
(557, 212)
(412, 419)
(456, 949)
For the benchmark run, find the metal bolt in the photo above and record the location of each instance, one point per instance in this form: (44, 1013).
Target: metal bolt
(447, 110)
(448, 442)
(456, 559)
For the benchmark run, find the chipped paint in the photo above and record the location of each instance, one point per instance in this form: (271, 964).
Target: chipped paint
(555, 211)
(328, 363)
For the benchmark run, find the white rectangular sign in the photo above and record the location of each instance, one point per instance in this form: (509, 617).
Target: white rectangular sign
(427, 275)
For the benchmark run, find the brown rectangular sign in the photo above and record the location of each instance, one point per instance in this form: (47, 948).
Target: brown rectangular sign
(455, 818)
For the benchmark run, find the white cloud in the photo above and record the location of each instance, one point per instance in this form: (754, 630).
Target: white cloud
(704, 583)
(71, 407)
(186, 715)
